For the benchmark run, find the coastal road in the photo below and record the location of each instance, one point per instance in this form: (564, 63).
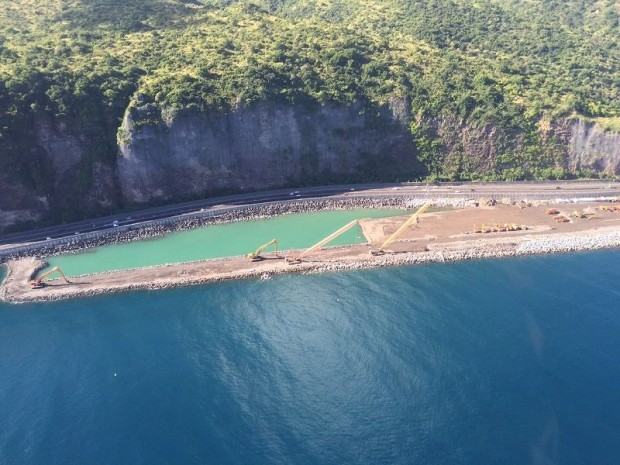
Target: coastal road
(521, 190)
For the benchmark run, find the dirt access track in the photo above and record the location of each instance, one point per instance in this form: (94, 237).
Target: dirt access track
(437, 237)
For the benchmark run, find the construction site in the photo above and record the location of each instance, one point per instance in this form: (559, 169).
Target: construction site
(428, 235)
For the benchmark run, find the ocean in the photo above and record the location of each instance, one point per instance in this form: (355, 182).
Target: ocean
(512, 361)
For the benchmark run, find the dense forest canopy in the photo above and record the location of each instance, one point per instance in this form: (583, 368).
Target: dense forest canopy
(510, 63)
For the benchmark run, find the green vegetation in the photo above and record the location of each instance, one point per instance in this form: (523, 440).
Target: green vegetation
(506, 63)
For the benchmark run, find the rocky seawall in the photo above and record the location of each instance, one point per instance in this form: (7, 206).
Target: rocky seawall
(489, 248)
(158, 229)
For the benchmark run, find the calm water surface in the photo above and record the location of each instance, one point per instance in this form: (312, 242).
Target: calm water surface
(217, 241)
(491, 362)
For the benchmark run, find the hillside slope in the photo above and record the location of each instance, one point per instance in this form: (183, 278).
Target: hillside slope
(104, 104)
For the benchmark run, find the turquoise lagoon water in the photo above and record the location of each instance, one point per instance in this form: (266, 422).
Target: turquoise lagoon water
(491, 362)
(217, 241)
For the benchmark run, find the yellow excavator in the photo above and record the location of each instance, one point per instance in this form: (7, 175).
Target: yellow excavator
(38, 282)
(412, 219)
(296, 260)
(256, 255)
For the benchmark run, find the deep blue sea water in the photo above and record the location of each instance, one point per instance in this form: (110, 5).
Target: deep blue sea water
(492, 362)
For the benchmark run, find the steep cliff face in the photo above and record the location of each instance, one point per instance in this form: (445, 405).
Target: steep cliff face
(268, 145)
(57, 170)
(18, 204)
(465, 148)
(53, 171)
(574, 146)
(592, 148)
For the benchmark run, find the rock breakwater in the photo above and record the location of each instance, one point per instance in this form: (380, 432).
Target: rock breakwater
(157, 229)
(212, 271)
(486, 249)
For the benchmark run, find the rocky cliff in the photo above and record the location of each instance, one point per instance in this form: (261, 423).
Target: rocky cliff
(56, 170)
(61, 170)
(593, 148)
(180, 154)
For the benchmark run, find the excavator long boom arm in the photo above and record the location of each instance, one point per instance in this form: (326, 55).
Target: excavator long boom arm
(322, 242)
(39, 280)
(405, 225)
(263, 247)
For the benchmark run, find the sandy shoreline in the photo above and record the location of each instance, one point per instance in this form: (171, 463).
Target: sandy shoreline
(439, 237)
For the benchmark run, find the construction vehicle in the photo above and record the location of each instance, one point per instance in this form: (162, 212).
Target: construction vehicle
(590, 213)
(482, 229)
(256, 255)
(506, 227)
(38, 282)
(578, 214)
(412, 219)
(321, 243)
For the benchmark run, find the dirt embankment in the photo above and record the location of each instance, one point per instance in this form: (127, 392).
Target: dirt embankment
(437, 237)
